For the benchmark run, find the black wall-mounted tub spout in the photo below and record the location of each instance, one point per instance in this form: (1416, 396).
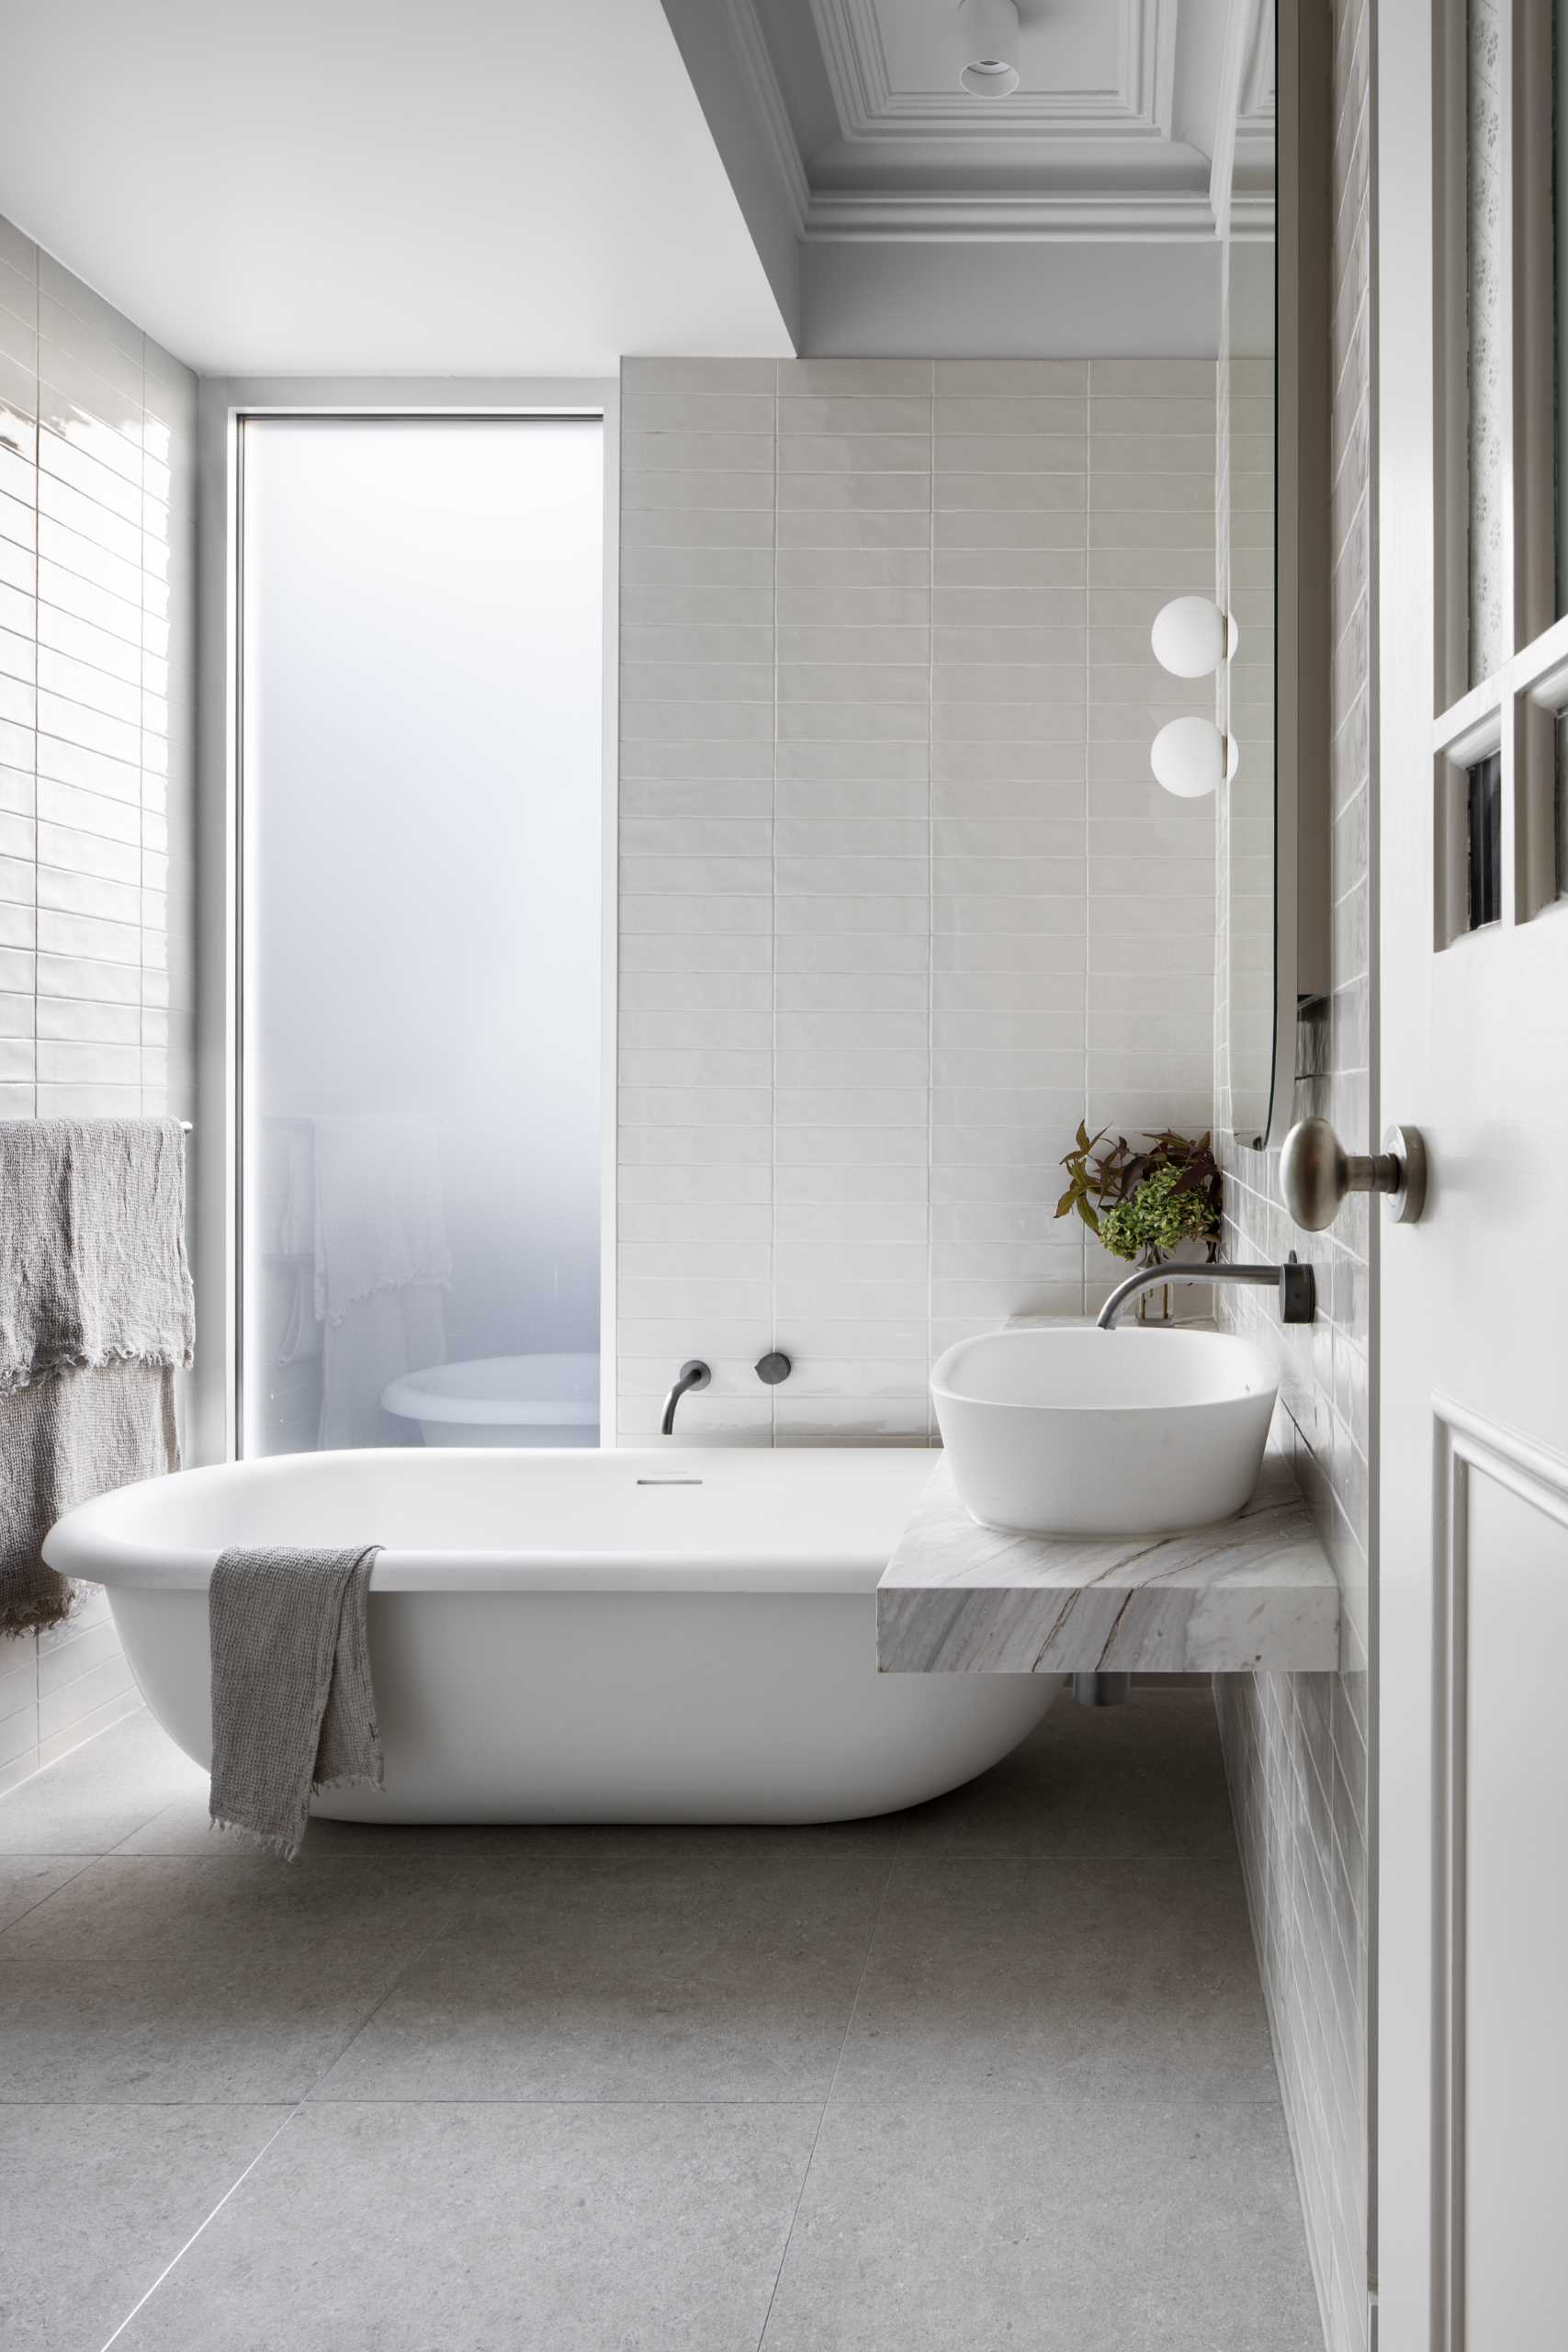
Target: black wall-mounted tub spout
(694, 1374)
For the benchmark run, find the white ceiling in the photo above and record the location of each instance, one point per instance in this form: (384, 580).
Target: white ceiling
(1111, 131)
(367, 187)
(1083, 65)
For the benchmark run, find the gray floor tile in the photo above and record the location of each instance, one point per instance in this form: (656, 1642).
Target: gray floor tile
(1084, 2223)
(1010, 1978)
(1104, 1783)
(582, 1980)
(177, 1981)
(183, 1829)
(98, 2200)
(494, 2229)
(99, 1794)
(27, 1879)
(1055, 2118)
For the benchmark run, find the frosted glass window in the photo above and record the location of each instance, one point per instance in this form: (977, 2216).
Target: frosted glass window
(421, 803)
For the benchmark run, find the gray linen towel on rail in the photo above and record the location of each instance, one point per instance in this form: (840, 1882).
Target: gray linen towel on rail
(95, 1316)
(293, 1708)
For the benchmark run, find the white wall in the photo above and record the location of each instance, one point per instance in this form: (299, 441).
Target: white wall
(900, 900)
(1097, 300)
(97, 821)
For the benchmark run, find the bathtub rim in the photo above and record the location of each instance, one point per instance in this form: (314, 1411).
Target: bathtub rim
(84, 1543)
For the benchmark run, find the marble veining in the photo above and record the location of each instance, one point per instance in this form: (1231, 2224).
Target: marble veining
(1253, 1593)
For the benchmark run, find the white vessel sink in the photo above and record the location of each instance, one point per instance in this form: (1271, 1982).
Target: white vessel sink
(1088, 1432)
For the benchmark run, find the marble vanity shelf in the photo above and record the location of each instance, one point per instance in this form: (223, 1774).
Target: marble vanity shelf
(1254, 1593)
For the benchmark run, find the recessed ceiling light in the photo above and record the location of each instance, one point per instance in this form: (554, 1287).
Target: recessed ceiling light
(989, 29)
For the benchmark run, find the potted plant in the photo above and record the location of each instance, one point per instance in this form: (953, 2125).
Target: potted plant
(1147, 1204)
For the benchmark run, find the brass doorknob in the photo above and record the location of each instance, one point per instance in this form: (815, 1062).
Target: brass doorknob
(1316, 1172)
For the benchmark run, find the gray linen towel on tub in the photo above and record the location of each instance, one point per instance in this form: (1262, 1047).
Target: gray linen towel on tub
(293, 1708)
(96, 1317)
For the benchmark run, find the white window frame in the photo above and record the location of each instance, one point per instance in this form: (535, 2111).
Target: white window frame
(1513, 711)
(214, 1420)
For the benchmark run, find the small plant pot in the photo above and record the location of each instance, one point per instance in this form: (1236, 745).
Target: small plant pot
(1164, 1304)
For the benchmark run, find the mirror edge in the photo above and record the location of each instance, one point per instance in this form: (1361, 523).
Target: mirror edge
(1303, 635)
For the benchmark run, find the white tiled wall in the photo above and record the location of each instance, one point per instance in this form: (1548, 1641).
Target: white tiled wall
(1297, 1745)
(900, 900)
(97, 676)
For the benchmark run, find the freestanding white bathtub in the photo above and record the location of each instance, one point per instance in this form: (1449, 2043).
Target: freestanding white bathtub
(662, 1636)
(536, 1400)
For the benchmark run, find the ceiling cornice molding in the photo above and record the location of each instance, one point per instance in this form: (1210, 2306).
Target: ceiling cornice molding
(757, 64)
(871, 111)
(1159, 30)
(868, 217)
(1255, 101)
(1252, 217)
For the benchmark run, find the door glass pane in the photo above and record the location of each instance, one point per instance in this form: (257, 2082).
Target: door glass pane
(1483, 826)
(1487, 376)
(420, 1032)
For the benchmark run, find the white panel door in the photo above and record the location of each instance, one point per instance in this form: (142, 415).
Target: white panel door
(1472, 1367)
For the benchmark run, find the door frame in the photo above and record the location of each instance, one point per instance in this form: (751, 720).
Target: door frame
(214, 1401)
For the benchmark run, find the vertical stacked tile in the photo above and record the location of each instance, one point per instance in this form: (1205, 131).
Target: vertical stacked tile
(1297, 1745)
(697, 907)
(1151, 856)
(1010, 916)
(97, 825)
(168, 724)
(852, 877)
(899, 913)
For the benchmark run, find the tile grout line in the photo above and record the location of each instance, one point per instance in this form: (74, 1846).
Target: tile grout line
(83, 1862)
(141, 749)
(426, 2099)
(1084, 1276)
(832, 2085)
(417, 1952)
(297, 2109)
(37, 469)
(176, 2259)
(773, 957)
(931, 902)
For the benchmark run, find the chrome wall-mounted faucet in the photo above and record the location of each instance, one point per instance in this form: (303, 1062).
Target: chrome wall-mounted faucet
(694, 1374)
(1295, 1284)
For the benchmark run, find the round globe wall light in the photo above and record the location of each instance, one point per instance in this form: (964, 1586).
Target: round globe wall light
(1191, 757)
(989, 34)
(1191, 637)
